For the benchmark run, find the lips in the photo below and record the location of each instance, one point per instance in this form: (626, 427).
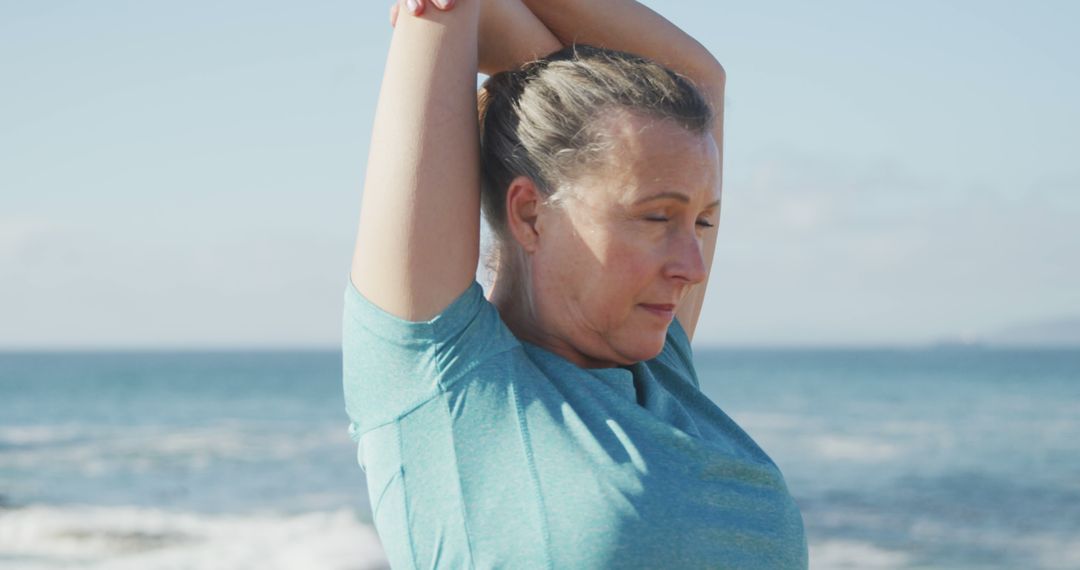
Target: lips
(666, 311)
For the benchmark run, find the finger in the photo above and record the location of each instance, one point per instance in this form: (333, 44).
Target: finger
(415, 7)
(393, 15)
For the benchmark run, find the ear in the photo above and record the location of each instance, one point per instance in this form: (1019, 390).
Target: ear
(523, 201)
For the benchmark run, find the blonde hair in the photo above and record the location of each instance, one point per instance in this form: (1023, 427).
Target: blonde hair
(545, 120)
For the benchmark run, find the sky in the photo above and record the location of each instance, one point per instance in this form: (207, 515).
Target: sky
(188, 175)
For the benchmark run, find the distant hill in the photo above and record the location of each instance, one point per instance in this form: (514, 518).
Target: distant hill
(1057, 332)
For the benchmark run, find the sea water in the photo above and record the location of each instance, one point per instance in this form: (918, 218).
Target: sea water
(931, 458)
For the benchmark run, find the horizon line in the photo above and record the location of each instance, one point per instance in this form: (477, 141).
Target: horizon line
(298, 348)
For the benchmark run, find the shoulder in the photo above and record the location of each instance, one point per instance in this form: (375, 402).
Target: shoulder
(390, 365)
(460, 312)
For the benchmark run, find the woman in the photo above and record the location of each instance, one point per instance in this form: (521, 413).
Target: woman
(558, 424)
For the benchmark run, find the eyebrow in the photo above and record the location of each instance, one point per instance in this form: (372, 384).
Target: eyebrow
(673, 196)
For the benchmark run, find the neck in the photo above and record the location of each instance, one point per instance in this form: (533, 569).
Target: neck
(516, 308)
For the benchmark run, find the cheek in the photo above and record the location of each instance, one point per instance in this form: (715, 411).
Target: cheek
(597, 273)
(631, 263)
(565, 267)
(629, 270)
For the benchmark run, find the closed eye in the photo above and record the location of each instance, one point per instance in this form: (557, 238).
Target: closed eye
(656, 218)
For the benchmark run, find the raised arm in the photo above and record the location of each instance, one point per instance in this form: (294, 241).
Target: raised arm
(419, 237)
(628, 26)
(418, 242)
(511, 35)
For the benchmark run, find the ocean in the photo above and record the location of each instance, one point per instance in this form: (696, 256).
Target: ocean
(957, 458)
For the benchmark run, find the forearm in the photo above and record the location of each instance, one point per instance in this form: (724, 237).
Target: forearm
(629, 26)
(511, 35)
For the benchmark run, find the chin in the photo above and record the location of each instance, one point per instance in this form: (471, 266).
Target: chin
(644, 350)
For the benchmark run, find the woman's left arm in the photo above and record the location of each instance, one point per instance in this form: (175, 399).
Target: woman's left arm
(628, 26)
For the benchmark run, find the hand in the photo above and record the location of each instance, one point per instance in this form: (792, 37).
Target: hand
(416, 7)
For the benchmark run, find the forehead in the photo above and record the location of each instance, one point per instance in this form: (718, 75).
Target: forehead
(646, 155)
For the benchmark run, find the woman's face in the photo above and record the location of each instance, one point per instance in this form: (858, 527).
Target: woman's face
(617, 256)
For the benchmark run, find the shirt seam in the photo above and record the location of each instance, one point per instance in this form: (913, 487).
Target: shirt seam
(526, 441)
(461, 493)
(441, 388)
(408, 410)
(405, 498)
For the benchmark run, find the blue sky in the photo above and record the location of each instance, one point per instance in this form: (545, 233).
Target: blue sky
(189, 174)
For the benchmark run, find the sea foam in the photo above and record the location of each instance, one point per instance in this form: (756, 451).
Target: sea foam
(854, 555)
(42, 537)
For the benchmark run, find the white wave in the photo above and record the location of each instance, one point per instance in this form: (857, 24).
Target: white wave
(909, 428)
(855, 448)
(1060, 553)
(1049, 550)
(37, 435)
(854, 555)
(94, 451)
(121, 538)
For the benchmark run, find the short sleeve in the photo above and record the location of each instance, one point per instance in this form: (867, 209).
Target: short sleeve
(677, 354)
(391, 366)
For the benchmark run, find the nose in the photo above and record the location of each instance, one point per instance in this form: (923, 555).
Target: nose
(687, 260)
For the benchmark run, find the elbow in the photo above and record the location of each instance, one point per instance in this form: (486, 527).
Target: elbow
(712, 80)
(707, 69)
(715, 76)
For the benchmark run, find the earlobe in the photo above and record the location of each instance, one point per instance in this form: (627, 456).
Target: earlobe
(523, 201)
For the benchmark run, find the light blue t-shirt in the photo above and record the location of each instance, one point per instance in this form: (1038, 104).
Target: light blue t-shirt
(483, 451)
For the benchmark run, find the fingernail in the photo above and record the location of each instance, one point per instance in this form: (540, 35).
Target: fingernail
(411, 5)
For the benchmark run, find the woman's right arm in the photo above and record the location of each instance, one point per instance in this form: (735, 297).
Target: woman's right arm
(418, 242)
